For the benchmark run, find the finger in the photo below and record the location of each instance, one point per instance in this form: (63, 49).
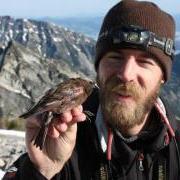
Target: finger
(81, 117)
(61, 127)
(65, 117)
(54, 131)
(78, 114)
(77, 111)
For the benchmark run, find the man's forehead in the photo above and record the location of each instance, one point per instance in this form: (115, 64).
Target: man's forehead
(129, 52)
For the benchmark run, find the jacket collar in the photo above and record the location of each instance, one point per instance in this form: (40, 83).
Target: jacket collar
(164, 128)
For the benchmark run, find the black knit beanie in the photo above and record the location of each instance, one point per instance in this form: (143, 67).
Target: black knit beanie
(146, 15)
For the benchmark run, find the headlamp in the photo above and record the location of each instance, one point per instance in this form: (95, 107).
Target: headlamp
(137, 37)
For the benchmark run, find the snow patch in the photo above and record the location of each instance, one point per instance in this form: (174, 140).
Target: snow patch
(36, 32)
(12, 133)
(25, 20)
(11, 33)
(7, 37)
(3, 47)
(57, 39)
(56, 32)
(1, 174)
(87, 40)
(43, 35)
(34, 26)
(39, 48)
(25, 30)
(11, 23)
(72, 37)
(78, 40)
(31, 30)
(75, 47)
(24, 37)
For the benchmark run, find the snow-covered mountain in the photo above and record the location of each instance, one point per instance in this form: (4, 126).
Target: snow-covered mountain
(34, 56)
(49, 41)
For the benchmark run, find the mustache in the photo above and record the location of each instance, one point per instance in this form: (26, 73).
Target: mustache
(113, 85)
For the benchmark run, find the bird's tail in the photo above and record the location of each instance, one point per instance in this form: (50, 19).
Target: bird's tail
(41, 136)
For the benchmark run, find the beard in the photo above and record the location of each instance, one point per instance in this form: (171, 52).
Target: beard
(122, 115)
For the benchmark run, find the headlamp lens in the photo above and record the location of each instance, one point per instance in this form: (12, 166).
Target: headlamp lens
(133, 37)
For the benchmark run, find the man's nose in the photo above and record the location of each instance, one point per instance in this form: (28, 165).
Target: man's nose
(128, 69)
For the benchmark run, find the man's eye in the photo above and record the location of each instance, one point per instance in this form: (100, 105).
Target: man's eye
(115, 61)
(145, 61)
(115, 58)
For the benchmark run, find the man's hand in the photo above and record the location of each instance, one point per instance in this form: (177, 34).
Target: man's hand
(59, 143)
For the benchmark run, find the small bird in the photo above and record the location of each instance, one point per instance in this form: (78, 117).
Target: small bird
(64, 96)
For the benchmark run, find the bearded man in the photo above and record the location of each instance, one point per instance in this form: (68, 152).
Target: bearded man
(131, 135)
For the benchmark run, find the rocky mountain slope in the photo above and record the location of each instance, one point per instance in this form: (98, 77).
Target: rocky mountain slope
(86, 25)
(35, 56)
(50, 41)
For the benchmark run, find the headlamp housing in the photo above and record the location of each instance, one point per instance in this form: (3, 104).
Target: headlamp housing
(138, 37)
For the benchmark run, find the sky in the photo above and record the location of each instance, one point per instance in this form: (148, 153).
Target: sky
(69, 8)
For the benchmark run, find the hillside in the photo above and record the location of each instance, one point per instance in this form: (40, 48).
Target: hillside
(34, 56)
(86, 25)
(50, 41)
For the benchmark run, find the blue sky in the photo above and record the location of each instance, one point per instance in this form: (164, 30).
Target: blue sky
(64, 8)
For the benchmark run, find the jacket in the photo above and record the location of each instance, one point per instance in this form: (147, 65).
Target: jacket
(153, 155)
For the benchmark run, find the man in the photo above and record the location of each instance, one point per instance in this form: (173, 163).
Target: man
(130, 136)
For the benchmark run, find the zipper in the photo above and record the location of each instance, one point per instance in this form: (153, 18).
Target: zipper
(162, 171)
(140, 161)
(103, 172)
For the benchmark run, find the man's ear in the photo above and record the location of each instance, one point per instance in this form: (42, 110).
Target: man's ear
(162, 81)
(97, 78)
